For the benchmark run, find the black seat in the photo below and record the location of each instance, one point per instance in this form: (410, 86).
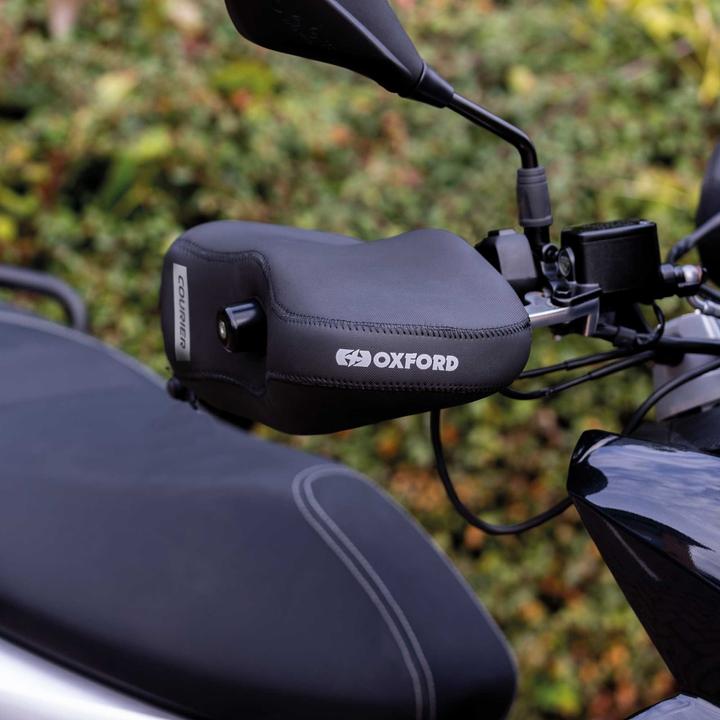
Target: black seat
(209, 572)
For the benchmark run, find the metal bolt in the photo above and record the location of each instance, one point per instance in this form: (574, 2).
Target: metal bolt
(223, 330)
(549, 253)
(565, 265)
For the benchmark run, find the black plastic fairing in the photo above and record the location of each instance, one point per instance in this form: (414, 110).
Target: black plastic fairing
(654, 513)
(681, 708)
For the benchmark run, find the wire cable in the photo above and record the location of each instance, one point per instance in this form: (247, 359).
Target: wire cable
(710, 292)
(468, 515)
(638, 358)
(689, 346)
(661, 326)
(684, 246)
(705, 305)
(639, 415)
(575, 363)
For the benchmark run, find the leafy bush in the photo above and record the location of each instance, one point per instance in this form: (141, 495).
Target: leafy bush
(153, 116)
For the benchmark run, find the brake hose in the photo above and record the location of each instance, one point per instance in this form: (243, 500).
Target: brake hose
(576, 363)
(464, 511)
(664, 391)
(638, 358)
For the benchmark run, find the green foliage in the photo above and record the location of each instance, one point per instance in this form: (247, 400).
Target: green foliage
(154, 116)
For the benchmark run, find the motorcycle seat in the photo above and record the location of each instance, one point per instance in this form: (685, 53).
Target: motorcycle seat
(209, 572)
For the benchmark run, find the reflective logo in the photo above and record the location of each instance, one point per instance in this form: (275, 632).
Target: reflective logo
(181, 297)
(396, 361)
(353, 358)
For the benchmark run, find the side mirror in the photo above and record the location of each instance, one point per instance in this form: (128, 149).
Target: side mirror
(364, 36)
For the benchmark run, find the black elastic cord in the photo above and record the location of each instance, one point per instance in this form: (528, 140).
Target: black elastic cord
(609, 369)
(639, 415)
(462, 509)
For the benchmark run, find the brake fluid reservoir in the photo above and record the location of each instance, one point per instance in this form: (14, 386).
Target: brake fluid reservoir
(698, 393)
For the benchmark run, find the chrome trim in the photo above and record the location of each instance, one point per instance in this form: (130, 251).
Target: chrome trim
(32, 688)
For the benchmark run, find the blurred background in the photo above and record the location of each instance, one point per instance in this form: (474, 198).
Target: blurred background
(123, 122)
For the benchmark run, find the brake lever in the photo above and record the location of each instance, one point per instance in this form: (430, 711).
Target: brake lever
(543, 312)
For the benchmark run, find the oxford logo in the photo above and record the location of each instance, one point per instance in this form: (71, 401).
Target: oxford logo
(396, 361)
(353, 358)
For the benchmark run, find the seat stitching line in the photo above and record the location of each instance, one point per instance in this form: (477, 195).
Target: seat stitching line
(325, 535)
(374, 385)
(390, 599)
(447, 563)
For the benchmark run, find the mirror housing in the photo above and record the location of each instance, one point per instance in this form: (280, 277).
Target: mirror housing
(364, 36)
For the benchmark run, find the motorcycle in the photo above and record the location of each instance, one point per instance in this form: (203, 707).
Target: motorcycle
(160, 562)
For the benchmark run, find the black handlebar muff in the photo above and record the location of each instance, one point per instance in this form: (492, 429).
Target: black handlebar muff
(313, 332)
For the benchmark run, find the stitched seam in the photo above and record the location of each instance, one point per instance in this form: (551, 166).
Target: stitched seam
(449, 333)
(372, 578)
(369, 385)
(326, 537)
(336, 384)
(188, 246)
(388, 596)
(470, 593)
(462, 581)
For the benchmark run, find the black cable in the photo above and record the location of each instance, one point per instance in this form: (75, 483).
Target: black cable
(624, 337)
(710, 292)
(639, 415)
(705, 305)
(462, 509)
(689, 345)
(609, 369)
(661, 326)
(575, 363)
(684, 246)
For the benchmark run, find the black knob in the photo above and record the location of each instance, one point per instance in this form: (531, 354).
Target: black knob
(177, 391)
(242, 328)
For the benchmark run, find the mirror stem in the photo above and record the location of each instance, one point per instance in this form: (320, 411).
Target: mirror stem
(532, 188)
(497, 126)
